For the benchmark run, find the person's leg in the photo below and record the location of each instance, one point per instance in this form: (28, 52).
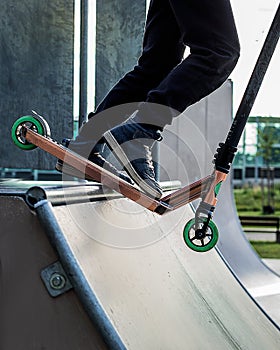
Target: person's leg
(162, 51)
(208, 28)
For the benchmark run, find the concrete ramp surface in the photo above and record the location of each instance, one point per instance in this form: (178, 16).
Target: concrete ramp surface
(153, 290)
(259, 280)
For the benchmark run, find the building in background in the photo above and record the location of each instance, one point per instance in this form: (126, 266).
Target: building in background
(258, 157)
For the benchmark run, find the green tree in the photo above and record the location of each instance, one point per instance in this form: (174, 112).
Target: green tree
(268, 137)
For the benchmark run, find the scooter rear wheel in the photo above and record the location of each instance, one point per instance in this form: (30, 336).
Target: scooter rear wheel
(36, 123)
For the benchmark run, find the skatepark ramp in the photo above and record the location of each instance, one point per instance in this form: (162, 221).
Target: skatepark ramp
(259, 280)
(133, 283)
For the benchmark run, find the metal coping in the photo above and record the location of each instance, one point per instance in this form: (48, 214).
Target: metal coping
(62, 193)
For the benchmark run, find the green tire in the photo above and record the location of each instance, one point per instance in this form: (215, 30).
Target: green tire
(18, 138)
(200, 244)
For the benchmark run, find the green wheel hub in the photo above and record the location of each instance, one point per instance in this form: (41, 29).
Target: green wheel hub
(196, 239)
(32, 123)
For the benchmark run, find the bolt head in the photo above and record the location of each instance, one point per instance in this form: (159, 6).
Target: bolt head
(57, 281)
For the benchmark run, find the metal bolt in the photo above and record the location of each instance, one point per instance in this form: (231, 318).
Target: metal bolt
(57, 281)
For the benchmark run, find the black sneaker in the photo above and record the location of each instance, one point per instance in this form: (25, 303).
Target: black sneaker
(131, 143)
(94, 156)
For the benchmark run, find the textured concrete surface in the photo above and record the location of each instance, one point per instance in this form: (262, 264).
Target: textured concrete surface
(36, 69)
(119, 33)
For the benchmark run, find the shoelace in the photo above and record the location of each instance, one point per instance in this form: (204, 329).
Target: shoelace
(149, 160)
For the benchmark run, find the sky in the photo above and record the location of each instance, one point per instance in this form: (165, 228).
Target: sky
(253, 19)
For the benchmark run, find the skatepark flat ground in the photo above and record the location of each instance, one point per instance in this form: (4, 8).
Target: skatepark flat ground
(267, 237)
(273, 264)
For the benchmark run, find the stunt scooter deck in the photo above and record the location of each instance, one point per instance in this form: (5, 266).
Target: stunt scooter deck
(200, 233)
(29, 135)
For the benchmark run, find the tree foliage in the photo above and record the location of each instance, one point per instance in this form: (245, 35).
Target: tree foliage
(268, 138)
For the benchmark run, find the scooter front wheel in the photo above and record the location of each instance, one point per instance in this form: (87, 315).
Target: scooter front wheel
(198, 240)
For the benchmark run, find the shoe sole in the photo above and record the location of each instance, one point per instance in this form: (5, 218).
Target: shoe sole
(121, 156)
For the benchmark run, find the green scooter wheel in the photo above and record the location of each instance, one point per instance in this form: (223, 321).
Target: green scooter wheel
(38, 124)
(197, 240)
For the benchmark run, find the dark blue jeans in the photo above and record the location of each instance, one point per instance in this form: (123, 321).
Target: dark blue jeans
(162, 75)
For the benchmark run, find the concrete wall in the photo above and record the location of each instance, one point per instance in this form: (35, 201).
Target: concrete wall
(36, 64)
(190, 142)
(36, 70)
(119, 31)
